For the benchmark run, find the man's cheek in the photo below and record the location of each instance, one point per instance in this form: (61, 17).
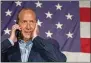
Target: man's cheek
(32, 28)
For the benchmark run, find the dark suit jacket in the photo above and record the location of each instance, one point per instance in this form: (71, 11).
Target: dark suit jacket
(42, 51)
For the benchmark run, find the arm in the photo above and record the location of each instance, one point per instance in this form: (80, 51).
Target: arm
(8, 43)
(5, 45)
(48, 51)
(4, 48)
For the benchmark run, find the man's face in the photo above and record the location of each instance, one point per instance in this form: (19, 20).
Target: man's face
(27, 23)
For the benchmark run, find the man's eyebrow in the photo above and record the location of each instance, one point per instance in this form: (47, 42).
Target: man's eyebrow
(32, 20)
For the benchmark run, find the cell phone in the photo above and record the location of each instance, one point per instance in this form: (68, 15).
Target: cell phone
(18, 34)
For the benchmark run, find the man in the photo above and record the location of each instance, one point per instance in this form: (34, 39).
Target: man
(31, 47)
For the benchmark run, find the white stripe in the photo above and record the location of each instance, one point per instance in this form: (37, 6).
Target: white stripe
(84, 4)
(77, 56)
(85, 29)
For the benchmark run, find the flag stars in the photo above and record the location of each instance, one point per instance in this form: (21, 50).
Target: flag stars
(38, 4)
(7, 31)
(69, 16)
(48, 15)
(58, 7)
(39, 22)
(49, 34)
(69, 35)
(8, 12)
(18, 3)
(59, 25)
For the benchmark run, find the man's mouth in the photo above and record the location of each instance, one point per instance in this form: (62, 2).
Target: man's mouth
(27, 32)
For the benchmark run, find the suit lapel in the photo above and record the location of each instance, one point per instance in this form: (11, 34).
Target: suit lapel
(32, 55)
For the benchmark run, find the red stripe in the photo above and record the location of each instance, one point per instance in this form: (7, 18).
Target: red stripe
(86, 45)
(85, 14)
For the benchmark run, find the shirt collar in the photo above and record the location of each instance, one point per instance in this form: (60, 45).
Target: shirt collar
(27, 43)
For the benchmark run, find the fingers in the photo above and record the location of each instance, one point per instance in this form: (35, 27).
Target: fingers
(37, 29)
(16, 26)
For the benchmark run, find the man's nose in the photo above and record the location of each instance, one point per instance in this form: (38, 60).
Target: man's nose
(28, 26)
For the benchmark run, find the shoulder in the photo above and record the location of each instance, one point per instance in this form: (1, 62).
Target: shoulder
(48, 42)
(53, 42)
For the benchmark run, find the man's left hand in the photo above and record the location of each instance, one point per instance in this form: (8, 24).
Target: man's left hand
(35, 32)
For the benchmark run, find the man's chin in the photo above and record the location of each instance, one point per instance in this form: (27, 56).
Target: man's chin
(27, 38)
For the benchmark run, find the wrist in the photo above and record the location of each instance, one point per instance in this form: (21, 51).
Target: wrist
(11, 41)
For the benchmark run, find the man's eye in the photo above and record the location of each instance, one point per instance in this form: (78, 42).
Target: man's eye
(31, 21)
(24, 21)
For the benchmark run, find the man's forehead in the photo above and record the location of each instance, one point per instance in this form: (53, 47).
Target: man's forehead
(27, 12)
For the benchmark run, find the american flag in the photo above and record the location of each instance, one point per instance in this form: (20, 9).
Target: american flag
(68, 22)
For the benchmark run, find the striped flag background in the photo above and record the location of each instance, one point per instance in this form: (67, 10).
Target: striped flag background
(85, 35)
(66, 21)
